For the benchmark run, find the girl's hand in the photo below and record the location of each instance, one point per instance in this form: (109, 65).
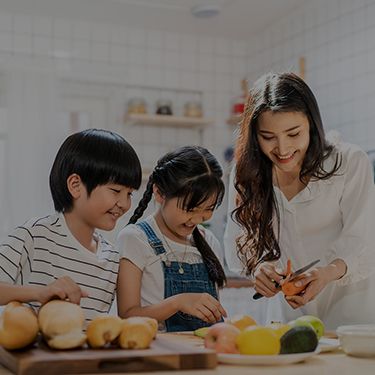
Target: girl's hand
(201, 305)
(64, 288)
(267, 279)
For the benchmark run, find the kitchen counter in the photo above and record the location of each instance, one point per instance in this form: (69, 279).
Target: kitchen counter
(335, 362)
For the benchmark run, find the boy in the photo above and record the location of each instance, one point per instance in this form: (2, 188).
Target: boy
(62, 255)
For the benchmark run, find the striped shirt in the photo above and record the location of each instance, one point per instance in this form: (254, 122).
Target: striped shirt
(43, 250)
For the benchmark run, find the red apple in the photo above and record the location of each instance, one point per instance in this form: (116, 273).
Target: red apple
(222, 338)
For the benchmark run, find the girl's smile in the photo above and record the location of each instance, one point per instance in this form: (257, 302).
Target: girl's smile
(177, 223)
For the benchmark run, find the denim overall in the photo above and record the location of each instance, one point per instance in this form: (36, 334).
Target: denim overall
(194, 280)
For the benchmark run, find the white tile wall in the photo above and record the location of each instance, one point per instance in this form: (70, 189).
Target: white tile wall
(167, 61)
(337, 38)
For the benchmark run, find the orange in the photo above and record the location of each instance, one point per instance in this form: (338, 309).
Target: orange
(242, 321)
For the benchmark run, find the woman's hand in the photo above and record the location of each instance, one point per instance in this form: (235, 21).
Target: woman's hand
(201, 305)
(64, 288)
(267, 279)
(316, 280)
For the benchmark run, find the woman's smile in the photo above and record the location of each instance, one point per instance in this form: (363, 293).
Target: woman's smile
(285, 159)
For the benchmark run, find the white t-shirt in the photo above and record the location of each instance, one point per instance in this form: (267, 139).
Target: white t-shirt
(42, 250)
(328, 219)
(134, 246)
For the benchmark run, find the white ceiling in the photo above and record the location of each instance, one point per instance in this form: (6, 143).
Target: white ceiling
(238, 19)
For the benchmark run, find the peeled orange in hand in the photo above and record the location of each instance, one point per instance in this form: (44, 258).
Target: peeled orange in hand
(258, 340)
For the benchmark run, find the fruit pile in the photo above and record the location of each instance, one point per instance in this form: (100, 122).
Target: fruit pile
(61, 325)
(242, 335)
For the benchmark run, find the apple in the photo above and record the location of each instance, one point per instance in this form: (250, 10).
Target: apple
(315, 322)
(299, 323)
(221, 337)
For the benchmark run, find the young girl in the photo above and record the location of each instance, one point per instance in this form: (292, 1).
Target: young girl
(169, 269)
(62, 255)
(300, 197)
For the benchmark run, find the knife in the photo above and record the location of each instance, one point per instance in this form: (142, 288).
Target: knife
(292, 276)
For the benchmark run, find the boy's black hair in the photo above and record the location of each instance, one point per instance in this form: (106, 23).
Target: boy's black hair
(99, 157)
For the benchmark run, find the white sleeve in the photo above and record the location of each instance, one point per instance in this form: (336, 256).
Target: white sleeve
(15, 252)
(356, 244)
(133, 245)
(232, 231)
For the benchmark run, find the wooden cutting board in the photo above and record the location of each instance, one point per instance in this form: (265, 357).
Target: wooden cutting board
(164, 354)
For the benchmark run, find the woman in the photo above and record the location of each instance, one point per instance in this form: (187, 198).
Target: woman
(302, 198)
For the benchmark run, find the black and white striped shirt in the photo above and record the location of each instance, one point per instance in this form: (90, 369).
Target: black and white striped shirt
(43, 250)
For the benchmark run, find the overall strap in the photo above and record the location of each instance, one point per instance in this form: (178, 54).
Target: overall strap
(152, 238)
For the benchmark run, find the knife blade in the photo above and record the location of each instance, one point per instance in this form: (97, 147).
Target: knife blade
(303, 269)
(292, 276)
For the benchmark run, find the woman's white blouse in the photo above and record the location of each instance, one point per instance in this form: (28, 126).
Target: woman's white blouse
(327, 220)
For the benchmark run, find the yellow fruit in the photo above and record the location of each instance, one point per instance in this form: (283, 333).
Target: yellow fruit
(257, 340)
(279, 328)
(242, 321)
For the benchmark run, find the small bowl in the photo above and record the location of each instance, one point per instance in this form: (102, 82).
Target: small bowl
(357, 340)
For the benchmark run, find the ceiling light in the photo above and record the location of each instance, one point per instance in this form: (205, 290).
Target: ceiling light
(205, 11)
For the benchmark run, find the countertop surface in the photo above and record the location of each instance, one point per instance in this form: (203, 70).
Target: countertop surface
(334, 362)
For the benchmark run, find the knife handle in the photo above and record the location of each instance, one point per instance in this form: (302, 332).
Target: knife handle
(257, 296)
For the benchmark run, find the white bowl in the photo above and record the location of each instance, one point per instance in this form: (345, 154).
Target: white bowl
(357, 340)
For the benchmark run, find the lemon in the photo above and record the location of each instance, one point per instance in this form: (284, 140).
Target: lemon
(279, 328)
(258, 340)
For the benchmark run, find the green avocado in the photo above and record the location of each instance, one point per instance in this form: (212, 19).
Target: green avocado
(300, 339)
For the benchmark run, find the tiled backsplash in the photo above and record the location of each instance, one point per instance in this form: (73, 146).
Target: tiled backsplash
(337, 38)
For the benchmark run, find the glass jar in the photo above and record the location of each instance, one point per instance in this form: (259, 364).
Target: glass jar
(164, 107)
(193, 109)
(137, 105)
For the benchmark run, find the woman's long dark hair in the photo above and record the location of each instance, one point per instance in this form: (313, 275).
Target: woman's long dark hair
(192, 174)
(257, 207)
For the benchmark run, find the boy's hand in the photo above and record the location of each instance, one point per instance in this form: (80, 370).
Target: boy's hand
(201, 305)
(64, 288)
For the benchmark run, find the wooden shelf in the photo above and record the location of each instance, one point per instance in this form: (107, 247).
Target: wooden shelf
(234, 120)
(166, 120)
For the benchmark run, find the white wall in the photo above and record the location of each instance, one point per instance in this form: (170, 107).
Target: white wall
(118, 56)
(337, 38)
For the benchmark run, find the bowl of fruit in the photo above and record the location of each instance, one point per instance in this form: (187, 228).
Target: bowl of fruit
(242, 341)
